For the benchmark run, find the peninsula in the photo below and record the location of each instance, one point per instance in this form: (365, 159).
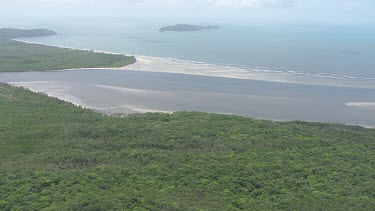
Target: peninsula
(16, 56)
(186, 28)
(16, 33)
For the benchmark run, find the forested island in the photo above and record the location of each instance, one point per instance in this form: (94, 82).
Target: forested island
(186, 28)
(17, 33)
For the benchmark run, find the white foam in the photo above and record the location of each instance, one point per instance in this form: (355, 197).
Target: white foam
(134, 108)
(135, 91)
(123, 89)
(368, 105)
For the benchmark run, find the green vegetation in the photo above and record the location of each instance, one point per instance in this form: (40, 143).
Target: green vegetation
(15, 33)
(18, 56)
(56, 156)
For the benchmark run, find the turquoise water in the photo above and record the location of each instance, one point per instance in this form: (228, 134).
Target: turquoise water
(341, 50)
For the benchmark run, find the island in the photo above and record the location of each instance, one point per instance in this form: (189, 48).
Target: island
(186, 28)
(16, 33)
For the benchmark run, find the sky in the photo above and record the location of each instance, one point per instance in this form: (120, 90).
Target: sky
(312, 11)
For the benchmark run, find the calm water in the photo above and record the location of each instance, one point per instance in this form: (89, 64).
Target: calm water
(341, 50)
(134, 91)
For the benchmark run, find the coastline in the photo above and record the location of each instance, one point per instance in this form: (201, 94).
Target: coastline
(124, 99)
(149, 64)
(363, 105)
(171, 65)
(51, 89)
(70, 48)
(61, 95)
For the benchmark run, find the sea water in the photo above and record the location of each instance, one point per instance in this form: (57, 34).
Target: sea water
(324, 50)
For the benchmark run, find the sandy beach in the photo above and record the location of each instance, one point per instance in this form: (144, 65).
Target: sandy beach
(364, 105)
(171, 65)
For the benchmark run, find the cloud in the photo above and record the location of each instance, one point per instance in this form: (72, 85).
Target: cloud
(216, 3)
(252, 3)
(248, 10)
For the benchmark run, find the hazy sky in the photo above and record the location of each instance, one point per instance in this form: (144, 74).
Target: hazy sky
(329, 11)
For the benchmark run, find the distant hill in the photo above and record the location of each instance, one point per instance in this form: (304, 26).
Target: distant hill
(16, 33)
(186, 27)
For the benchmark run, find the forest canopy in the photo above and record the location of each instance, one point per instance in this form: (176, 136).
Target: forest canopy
(57, 156)
(19, 56)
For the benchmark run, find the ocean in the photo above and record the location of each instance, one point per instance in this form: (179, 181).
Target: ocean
(328, 50)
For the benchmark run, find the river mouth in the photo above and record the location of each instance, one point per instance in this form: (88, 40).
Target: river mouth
(127, 91)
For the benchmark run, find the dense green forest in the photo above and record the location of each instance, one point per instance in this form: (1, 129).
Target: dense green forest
(56, 156)
(19, 56)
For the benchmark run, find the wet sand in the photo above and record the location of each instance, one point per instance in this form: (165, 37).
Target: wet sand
(170, 65)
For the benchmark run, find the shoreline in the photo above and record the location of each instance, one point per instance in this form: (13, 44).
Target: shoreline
(363, 105)
(184, 67)
(178, 66)
(71, 48)
(38, 87)
(51, 93)
(64, 96)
